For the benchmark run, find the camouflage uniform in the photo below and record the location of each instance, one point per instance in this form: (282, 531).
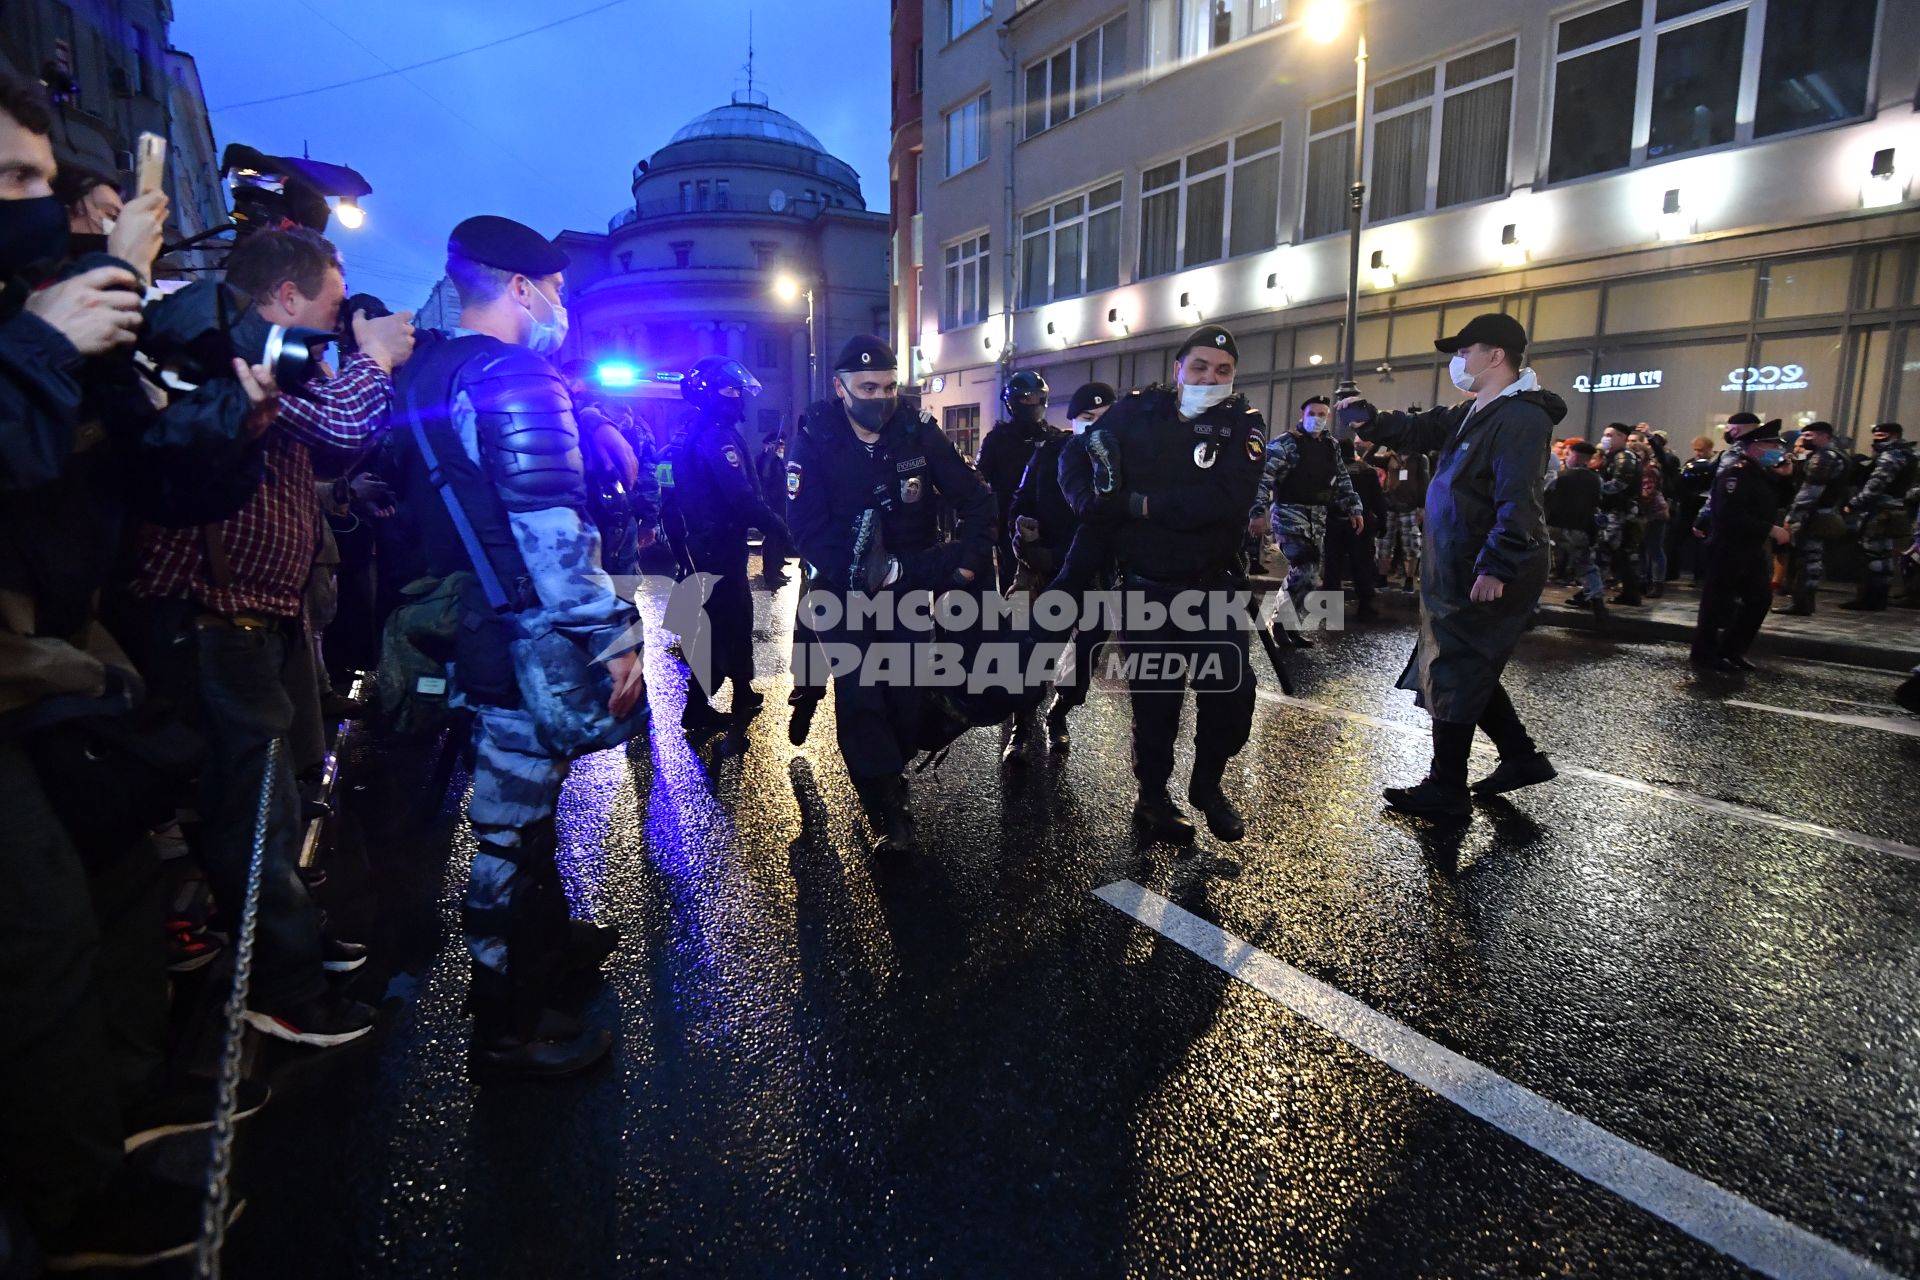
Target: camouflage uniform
(1617, 549)
(1880, 508)
(1812, 519)
(1299, 485)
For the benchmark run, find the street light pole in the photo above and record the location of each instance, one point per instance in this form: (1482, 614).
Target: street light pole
(1356, 203)
(813, 356)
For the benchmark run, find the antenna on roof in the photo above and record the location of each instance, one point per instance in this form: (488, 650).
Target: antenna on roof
(751, 97)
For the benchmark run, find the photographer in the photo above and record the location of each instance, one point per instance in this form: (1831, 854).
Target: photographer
(225, 608)
(84, 767)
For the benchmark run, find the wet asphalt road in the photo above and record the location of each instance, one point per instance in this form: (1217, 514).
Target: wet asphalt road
(969, 1065)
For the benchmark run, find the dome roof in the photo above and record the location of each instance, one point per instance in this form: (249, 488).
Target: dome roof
(754, 120)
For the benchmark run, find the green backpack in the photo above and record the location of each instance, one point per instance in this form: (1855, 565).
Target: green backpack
(416, 656)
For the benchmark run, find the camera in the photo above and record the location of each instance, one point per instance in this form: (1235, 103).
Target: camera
(374, 307)
(195, 332)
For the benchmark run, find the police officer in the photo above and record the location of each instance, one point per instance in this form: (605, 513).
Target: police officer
(1815, 514)
(1617, 549)
(1738, 587)
(1176, 471)
(720, 499)
(1043, 529)
(506, 454)
(623, 490)
(1005, 452)
(1879, 512)
(771, 468)
(1304, 474)
(864, 476)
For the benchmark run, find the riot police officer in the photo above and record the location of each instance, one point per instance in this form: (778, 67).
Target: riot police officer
(1879, 512)
(865, 474)
(623, 490)
(1171, 473)
(1005, 452)
(492, 465)
(1738, 587)
(720, 498)
(1815, 514)
(1302, 476)
(1617, 546)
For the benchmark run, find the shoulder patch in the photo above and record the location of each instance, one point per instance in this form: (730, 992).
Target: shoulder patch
(731, 454)
(793, 479)
(1256, 448)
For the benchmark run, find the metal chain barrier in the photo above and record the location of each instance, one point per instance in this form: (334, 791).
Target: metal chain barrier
(213, 1218)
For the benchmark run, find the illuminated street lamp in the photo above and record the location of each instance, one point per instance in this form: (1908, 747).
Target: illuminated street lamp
(350, 214)
(1324, 22)
(788, 289)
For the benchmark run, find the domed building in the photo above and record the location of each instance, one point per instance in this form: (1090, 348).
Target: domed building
(740, 198)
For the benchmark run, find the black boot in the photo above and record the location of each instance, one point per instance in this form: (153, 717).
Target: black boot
(1058, 739)
(699, 716)
(1802, 606)
(587, 945)
(800, 719)
(1018, 739)
(890, 812)
(747, 701)
(1204, 793)
(1156, 811)
(1872, 599)
(1443, 792)
(508, 1030)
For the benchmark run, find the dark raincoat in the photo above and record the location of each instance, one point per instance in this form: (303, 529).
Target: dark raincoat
(1484, 516)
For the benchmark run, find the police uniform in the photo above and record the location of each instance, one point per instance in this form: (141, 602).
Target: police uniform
(1617, 547)
(1004, 455)
(1880, 508)
(1738, 587)
(1303, 475)
(1176, 510)
(507, 444)
(1813, 518)
(720, 498)
(852, 505)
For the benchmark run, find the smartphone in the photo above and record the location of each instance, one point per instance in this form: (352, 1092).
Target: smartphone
(150, 163)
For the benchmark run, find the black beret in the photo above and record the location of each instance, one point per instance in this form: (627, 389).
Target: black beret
(507, 245)
(865, 354)
(1315, 400)
(1743, 420)
(1209, 335)
(1091, 395)
(1581, 446)
(1818, 426)
(1891, 428)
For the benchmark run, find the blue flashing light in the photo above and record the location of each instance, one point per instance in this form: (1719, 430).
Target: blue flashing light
(618, 373)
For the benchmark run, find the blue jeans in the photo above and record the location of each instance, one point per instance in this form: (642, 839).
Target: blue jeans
(1654, 552)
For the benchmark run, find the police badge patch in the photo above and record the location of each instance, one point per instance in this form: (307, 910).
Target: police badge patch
(1204, 454)
(793, 479)
(910, 489)
(1254, 449)
(731, 454)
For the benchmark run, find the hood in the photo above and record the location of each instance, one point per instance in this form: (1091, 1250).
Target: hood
(1553, 405)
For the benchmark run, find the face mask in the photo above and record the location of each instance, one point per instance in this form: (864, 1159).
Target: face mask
(1196, 400)
(1772, 457)
(1311, 424)
(1081, 424)
(547, 336)
(872, 414)
(1457, 373)
(31, 231)
(1609, 444)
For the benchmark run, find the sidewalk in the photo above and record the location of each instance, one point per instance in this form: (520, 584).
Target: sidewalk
(1888, 641)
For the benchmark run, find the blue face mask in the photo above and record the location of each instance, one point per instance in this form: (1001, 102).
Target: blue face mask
(1772, 457)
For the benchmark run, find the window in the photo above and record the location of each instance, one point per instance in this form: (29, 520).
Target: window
(961, 423)
(702, 194)
(682, 253)
(1071, 247)
(1082, 75)
(1178, 30)
(1471, 99)
(766, 255)
(1699, 74)
(965, 299)
(721, 200)
(964, 15)
(1329, 168)
(967, 134)
(686, 197)
(143, 61)
(1219, 200)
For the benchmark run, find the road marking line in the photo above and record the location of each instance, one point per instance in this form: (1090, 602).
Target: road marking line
(1704, 1210)
(1911, 728)
(1707, 804)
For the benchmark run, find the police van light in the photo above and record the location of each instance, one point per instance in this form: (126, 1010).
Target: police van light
(618, 373)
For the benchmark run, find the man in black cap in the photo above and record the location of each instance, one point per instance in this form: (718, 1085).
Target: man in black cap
(1737, 425)
(1879, 512)
(1742, 528)
(1005, 452)
(864, 476)
(1814, 515)
(1486, 556)
(1304, 474)
(1168, 477)
(494, 474)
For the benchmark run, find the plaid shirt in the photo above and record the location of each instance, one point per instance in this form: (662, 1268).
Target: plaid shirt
(270, 542)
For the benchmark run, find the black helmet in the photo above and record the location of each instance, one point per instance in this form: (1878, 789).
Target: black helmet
(1018, 396)
(719, 387)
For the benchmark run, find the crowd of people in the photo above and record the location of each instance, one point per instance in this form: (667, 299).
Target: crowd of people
(210, 530)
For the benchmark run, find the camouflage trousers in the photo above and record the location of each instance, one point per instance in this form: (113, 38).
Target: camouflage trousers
(1883, 537)
(1408, 525)
(1302, 533)
(1809, 560)
(1578, 546)
(514, 898)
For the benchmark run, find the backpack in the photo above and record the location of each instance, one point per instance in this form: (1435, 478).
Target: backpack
(416, 652)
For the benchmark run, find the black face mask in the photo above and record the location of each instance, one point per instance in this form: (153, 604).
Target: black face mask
(872, 414)
(32, 231)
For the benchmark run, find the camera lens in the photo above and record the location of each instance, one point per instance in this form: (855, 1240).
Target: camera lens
(292, 353)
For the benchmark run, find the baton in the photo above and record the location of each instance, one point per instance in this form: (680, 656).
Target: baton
(1272, 647)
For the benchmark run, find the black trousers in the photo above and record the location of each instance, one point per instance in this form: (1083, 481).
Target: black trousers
(726, 625)
(1070, 691)
(876, 714)
(1348, 556)
(1735, 596)
(1163, 662)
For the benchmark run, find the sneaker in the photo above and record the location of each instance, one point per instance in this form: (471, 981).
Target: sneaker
(191, 949)
(542, 1059)
(337, 956)
(189, 1110)
(1511, 775)
(322, 1022)
(138, 1220)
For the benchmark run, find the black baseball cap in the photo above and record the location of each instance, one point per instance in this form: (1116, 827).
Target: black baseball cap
(1091, 395)
(505, 245)
(1495, 328)
(865, 354)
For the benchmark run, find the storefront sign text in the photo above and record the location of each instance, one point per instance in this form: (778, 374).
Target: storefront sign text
(1633, 381)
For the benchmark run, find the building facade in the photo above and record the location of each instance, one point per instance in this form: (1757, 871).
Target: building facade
(740, 199)
(113, 75)
(1696, 206)
(905, 159)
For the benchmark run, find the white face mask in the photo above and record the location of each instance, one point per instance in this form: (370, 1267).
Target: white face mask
(107, 225)
(1312, 424)
(1081, 424)
(1457, 371)
(1196, 400)
(547, 336)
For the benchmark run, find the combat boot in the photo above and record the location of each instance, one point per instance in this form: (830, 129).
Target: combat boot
(1204, 793)
(699, 716)
(513, 1040)
(747, 700)
(1802, 606)
(1018, 738)
(800, 718)
(1872, 599)
(890, 813)
(1156, 811)
(1058, 738)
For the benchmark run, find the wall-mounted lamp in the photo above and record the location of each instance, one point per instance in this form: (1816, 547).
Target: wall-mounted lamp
(1115, 318)
(1674, 222)
(1512, 252)
(1884, 185)
(1383, 277)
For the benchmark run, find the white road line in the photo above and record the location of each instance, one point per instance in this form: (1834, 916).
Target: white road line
(1886, 724)
(1709, 1213)
(1706, 804)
